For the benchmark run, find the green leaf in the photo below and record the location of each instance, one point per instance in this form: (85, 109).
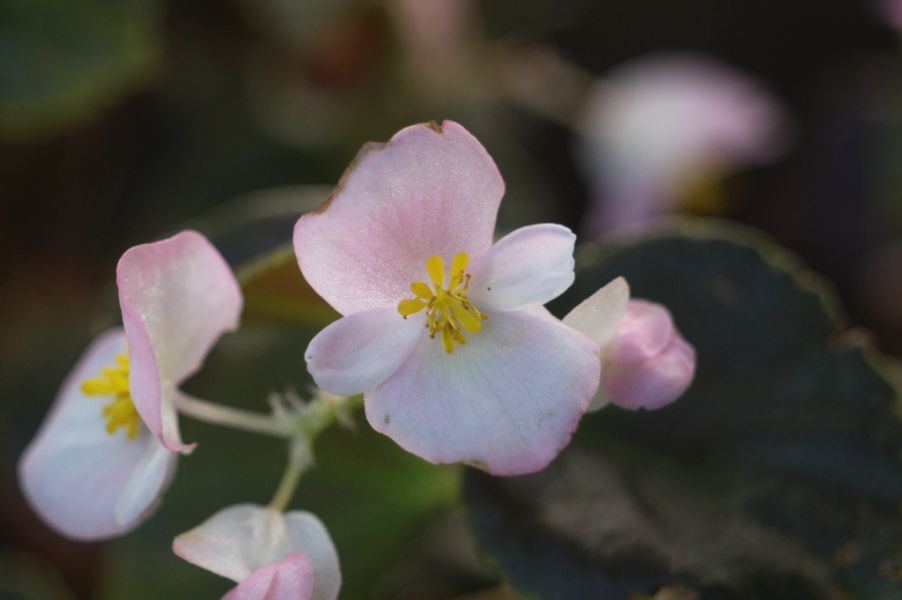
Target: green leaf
(776, 476)
(60, 62)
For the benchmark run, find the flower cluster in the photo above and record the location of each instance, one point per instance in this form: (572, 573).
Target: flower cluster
(443, 332)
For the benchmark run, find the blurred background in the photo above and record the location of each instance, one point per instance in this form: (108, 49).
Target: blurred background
(124, 120)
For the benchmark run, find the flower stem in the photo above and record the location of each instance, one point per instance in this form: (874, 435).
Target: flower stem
(300, 458)
(233, 417)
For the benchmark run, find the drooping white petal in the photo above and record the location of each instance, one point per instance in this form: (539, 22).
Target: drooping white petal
(431, 190)
(598, 315)
(508, 400)
(360, 351)
(84, 482)
(240, 539)
(177, 297)
(527, 267)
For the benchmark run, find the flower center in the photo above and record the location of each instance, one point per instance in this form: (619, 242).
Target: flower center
(448, 308)
(120, 411)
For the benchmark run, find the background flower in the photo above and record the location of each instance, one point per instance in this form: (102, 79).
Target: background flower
(663, 127)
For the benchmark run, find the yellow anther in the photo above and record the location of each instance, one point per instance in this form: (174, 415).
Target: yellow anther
(120, 411)
(448, 309)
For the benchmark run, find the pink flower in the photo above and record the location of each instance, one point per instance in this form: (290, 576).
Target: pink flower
(81, 474)
(892, 12)
(443, 332)
(659, 125)
(272, 556)
(646, 363)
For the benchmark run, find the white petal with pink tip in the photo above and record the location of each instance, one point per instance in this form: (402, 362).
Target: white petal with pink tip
(178, 296)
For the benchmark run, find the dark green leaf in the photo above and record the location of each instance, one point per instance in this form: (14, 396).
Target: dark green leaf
(776, 476)
(62, 61)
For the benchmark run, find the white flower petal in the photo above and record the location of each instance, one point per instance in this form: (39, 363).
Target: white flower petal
(82, 480)
(528, 267)
(508, 400)
(154, 473)
(598, 315)
(360, 351)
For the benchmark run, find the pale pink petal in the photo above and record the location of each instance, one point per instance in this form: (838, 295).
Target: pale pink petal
(360, 351)
(84, 482)
(240, 539)
(431, 190)
(651, 383)
(598, 315)
(177, 297)
(892, 12)
(289, 579)
(647, 364)
(506, 401)
(256, 586)
(527, 267)
(645, 329)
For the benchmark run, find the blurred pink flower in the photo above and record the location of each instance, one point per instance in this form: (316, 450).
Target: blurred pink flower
(80, 474)
(473, 369)
(272, 556)
(658, 125)
(892, 12)
(646, 363)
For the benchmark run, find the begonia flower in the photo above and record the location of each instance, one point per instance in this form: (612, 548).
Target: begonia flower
(443, 332)
(108, 446)
(657, 127)
(270, 554)
(646, 363)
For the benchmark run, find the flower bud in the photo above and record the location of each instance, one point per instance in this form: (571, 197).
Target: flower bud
(647, 364)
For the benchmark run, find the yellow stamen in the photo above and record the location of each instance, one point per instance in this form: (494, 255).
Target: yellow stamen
(448, 309)
(120, 411)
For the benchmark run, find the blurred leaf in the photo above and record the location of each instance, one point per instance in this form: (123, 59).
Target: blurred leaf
(60, 62)
(24, 576)
(776, 476)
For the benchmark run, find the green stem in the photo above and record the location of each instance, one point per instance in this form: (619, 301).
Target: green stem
(300, 458)
(234, 417)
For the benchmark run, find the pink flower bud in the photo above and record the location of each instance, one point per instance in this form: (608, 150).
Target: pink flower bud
(647, 364)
